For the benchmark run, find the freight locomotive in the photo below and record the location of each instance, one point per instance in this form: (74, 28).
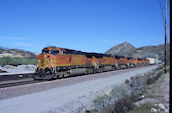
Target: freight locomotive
(55, 62)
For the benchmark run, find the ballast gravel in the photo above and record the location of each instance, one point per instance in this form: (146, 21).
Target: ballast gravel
(64, 95)
(9, 69)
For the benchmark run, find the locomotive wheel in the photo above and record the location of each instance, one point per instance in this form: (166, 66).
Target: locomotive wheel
(55, 77)
(91, 71)
(113, 68)
(66, 74)
(87, 72)
(100, 70)
(60, 75)
(94, 72)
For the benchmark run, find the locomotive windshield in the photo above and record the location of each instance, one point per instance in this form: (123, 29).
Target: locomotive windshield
(45, 51)
(54, 52)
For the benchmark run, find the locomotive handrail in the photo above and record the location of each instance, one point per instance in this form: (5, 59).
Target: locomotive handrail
(53, 67)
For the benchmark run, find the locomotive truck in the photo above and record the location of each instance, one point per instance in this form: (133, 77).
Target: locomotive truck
(55, 62)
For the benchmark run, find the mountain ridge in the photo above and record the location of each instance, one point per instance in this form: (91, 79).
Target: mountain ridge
(6, 52)
(127, 49)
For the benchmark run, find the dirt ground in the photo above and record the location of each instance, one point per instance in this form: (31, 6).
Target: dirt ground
(156, 98)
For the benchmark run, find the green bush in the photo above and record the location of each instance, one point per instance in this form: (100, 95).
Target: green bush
(17, 61)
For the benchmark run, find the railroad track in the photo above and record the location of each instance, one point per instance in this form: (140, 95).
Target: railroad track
(9, 80)
(18, 79)
(17, 83)
(9, 77)
(22, 79)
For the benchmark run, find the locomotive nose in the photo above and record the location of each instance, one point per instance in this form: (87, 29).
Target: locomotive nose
(42, 61)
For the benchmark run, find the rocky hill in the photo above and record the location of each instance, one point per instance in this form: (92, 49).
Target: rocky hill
(146, 51)
(16, 53)
(121, 49)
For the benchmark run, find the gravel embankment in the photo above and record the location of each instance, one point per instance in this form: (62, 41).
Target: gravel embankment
(63, 98)
(17, 69)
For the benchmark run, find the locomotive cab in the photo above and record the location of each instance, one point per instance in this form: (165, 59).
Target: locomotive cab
(45, 64)
(51, 51)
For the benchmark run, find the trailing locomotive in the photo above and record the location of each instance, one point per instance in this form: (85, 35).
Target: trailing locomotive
(56, 62)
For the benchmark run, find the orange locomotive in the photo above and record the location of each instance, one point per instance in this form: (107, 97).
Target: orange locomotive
(56, 62)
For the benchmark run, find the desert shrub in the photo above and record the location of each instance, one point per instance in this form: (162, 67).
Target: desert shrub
(119, 100)
(17, 61)
(5, 60)
(152, 78)
(138, 84)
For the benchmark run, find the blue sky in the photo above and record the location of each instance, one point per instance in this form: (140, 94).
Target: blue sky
(86, 25)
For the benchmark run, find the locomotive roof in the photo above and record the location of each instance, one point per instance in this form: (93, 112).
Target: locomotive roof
(129, 58)
(89, 54)
(139, 58)
(117, 56)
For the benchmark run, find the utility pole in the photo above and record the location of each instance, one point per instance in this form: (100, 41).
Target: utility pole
(165, 54)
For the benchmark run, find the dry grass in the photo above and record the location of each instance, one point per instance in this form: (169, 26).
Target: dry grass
(144, 108)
